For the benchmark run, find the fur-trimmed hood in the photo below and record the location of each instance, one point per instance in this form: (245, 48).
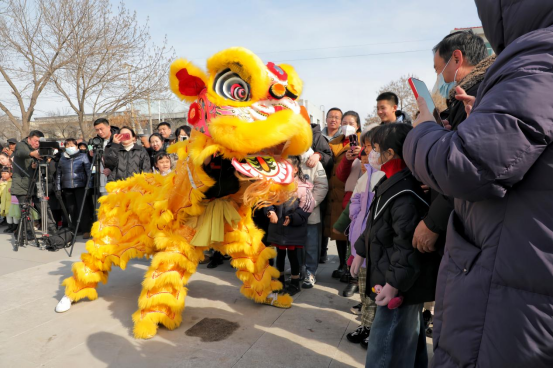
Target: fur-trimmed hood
(474, 77)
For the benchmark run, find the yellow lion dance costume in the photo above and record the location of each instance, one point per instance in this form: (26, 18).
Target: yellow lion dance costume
(239, 108)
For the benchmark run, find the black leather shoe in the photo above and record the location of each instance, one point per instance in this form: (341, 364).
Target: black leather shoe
(10, 229)
(365, 342)
(338, 273)
(294, 287)
(345, 278)
(324, 257)
(351, 289)
(358, 335)
(214, 263)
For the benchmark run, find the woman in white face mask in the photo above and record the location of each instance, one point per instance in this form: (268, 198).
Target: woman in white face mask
(346, 148)
(72, 177)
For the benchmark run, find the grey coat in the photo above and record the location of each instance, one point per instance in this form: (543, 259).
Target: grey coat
(494, 298)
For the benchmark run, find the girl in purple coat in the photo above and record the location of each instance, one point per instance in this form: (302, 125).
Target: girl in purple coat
(358, 213)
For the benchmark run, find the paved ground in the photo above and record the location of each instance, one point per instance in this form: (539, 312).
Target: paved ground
(220, 327)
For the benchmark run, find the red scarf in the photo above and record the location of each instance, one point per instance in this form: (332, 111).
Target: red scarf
(392, 167)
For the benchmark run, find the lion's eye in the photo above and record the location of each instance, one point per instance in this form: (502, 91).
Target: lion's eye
(230, 86)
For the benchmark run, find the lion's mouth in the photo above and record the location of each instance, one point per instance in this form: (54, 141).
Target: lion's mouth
(276, 169)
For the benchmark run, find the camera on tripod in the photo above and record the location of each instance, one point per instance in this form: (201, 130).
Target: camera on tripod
(46, 148)
(96, 142)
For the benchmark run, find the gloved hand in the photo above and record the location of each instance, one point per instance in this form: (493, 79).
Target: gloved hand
(386, 295)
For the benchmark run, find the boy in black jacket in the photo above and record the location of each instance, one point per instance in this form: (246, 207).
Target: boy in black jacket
(397, 336)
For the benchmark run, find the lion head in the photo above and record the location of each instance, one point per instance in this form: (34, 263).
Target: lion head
(247, 109)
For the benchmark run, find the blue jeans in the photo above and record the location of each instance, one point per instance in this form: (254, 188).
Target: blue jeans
(310, 255)
(398, 338)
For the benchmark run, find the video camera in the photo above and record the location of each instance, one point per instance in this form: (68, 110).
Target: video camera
(96, 142)
(46, 148)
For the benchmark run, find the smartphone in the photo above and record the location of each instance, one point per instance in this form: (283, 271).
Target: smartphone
(125, 136)
(353, 140)
(419, 89)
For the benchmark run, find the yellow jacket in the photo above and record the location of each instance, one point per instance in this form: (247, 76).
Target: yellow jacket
(5, 197)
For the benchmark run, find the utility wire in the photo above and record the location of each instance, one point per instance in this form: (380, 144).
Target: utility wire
(355, 56)
(342, 47)
(331, 47)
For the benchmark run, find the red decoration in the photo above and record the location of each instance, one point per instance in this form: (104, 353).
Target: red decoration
(189, 85)
(277, 71)
(194, 114)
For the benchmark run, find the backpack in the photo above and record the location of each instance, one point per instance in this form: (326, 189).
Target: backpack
(58, 241)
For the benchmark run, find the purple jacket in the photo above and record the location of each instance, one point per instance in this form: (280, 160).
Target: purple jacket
(359, 211)
(494, 297)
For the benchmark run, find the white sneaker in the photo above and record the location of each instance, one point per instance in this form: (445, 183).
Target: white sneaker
(63, 305)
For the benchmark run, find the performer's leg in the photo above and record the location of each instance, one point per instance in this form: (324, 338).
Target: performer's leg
(118, 236)
(163, 293)
(251, 258)
(109, 245)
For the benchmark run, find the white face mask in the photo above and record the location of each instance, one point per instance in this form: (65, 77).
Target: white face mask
(374, 160)
(71, 150)
(348, 130)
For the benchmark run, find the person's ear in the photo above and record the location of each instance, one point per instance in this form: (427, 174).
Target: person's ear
(458, 56)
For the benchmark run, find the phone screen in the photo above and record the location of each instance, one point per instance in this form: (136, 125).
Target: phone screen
(126, 136)
(353, 140)
(419, 87)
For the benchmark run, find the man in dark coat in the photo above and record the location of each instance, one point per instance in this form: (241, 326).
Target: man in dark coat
(322, 150)
(494, 298)
(461, 58)
(25, 162)
(125, 158)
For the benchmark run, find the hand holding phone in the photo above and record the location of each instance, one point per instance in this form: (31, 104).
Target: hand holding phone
(125, 136)
(420, 90)
(353, 140)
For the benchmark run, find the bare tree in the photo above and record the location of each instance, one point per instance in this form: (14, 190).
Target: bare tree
(34, 36)
(401, 88)
(407, 101)
(58, 124)
(115, 63)
(8, 128)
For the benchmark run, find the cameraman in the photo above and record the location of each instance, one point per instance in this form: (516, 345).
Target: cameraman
(106, 133)
(25, 159)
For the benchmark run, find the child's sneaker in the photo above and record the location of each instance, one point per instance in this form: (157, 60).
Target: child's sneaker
(309, 281)
(356, 310)
(365, 342)
(359, 334)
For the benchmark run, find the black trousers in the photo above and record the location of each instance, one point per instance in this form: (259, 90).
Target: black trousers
(73, 199)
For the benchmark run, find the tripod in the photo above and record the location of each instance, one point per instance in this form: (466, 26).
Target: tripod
(26, 223)
(95, 169)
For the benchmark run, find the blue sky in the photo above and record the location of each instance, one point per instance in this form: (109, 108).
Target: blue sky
(327, 33)
(198, 29)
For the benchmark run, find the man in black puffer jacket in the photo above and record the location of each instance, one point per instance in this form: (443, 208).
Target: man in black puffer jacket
(124, 158)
